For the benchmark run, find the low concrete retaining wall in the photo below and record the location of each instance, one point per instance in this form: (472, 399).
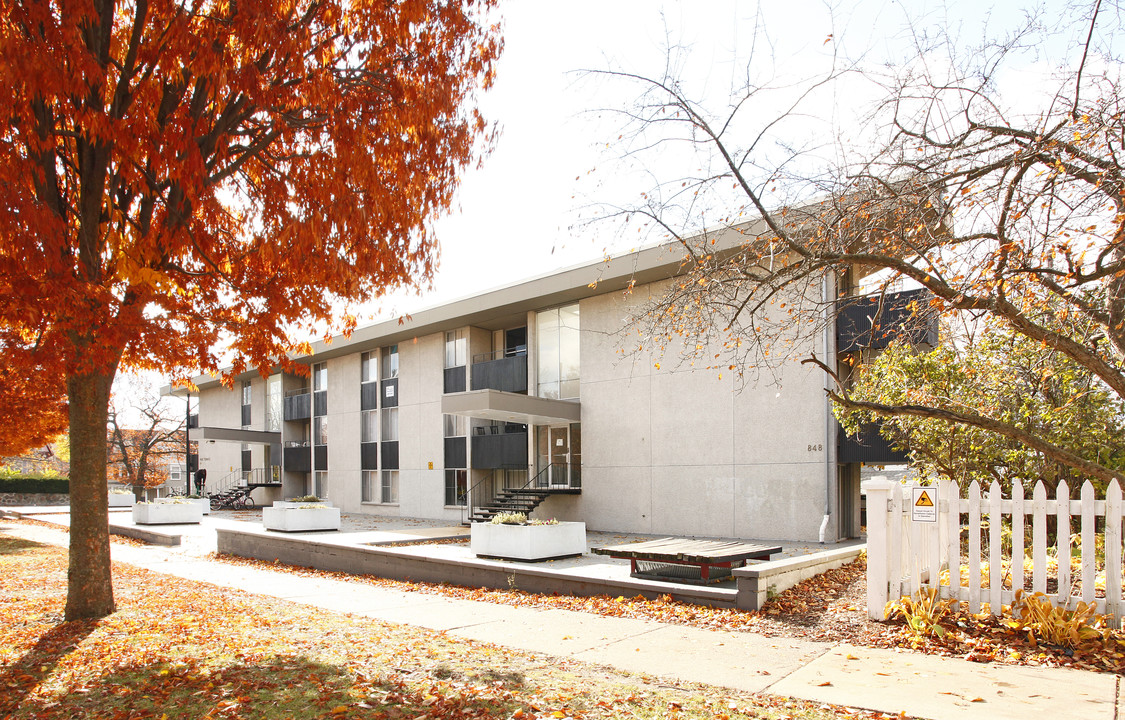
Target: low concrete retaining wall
(756, 583)
(29, 499)
(327, 553)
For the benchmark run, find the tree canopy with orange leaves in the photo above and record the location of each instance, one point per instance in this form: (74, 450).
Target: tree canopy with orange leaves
(187, 178)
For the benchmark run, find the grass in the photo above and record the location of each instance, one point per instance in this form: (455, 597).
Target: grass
(182, 649)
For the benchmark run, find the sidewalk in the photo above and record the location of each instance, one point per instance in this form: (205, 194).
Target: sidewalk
(885, 680)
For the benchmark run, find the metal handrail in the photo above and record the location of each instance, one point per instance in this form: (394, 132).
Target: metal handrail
(498, 355)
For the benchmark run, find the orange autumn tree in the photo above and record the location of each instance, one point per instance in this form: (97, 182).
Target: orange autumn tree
(178, 177)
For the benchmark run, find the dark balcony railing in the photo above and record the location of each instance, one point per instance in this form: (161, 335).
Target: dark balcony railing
(869, 446)
(297, 458)
(491, 371)
(455, 455)
(298, 405)
(455, 379)
(873, 322)
(369, 456)
(499, 446)
(193, 421)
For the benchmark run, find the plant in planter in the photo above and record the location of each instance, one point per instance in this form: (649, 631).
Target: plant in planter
(304, 500)
(168, 511)
(298, 515)
(512, 536)
(121, 498)
(203, 503)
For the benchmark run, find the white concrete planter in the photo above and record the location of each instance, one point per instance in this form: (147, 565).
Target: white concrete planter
(120, 500)
(528, 542)
(166, 513)
(203, 503)
(292, 504)
(301, 519)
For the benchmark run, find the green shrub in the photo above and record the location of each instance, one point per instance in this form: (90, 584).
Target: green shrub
(34, 484)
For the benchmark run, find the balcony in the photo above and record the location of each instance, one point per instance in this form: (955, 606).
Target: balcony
(193, 421)
(496, 371)
(873, 322)
(297, 458)
(869, 446)
(499, 446)
(298, 405)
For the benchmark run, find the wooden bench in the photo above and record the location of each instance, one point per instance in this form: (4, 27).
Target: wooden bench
(683, 560)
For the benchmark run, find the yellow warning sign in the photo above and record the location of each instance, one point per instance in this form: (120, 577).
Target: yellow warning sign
(924, 509)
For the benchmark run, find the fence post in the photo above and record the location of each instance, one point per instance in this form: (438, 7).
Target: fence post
(878, 491)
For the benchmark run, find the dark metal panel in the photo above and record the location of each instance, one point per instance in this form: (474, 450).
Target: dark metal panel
(869, 446)
(247, 463)
(455, 379)
(455, 453)
(297, 459)
(247, 415)
(508, 374)
(369, 396)
(193, 421)
(320, 403)
(389, 451)
(320, 457)
(193, 462)
(502, 450)
(875, 321)
(369, 456)
(390, 393)
(298, 407)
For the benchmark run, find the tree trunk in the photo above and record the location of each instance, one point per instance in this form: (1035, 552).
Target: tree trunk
(89, 581)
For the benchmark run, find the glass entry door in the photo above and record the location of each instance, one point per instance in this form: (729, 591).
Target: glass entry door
(559, 455)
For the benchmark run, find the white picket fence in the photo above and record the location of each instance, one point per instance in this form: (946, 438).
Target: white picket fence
(905, 554)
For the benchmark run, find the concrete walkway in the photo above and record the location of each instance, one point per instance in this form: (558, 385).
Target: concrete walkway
(884, 680)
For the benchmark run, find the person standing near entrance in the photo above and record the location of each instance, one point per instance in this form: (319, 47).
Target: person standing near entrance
(200, 481)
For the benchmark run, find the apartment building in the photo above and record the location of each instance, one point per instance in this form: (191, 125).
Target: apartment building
(523, 394)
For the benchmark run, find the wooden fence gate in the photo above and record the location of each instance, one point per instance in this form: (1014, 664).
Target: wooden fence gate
(965, 546)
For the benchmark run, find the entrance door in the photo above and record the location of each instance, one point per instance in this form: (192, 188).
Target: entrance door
(560, 458)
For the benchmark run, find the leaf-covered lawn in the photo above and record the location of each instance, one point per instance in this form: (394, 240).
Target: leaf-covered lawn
(829, 607)
(183, 649)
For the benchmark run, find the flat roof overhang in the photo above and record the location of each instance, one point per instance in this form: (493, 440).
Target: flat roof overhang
(238, 435)
(511, 407)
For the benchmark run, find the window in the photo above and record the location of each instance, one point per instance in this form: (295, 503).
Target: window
(369, 367)
(369, 430)
(320, 430)
(320, 377)
(247, 394)
(456, 349)
(273, 403)
(456, 486)
(558, 352)
(389, 489)
(320, 484)
(455, 425)
(370, 489)
(390, 424)
(174, 474)
(390, 362)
